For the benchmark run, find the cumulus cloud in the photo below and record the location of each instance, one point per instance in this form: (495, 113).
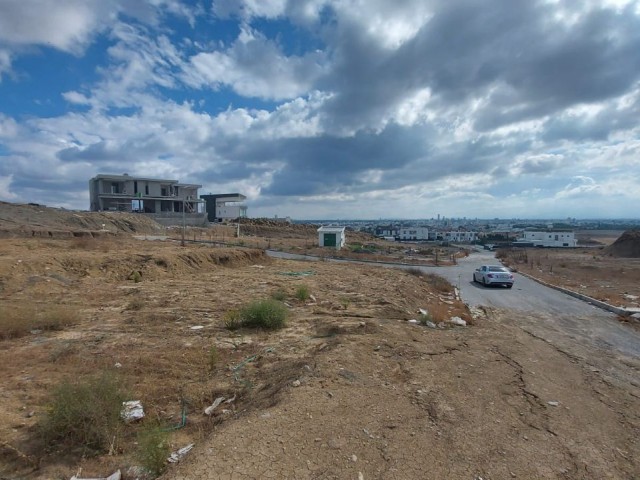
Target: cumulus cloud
(5, 188)
(336, 103)
(256, 67)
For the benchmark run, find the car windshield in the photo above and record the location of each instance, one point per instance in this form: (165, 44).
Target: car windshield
(497, 269)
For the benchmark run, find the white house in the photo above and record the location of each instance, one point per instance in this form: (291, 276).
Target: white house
(331, 237)
(458, 236)
(225, 206)
(549, 239)
(413, 233)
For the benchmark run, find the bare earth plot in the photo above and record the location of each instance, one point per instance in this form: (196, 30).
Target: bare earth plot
(349, 389)
(592, 272)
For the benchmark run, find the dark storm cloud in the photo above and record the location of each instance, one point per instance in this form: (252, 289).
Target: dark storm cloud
(515, 54)
(579, 128)
(321, 164)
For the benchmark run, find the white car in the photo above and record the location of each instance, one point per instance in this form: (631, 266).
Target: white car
(493, 275)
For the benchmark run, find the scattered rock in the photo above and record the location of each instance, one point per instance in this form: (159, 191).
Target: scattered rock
(430, 324)
(296, 383)
(413, 320)
(354, 458)
(458, 321)
(553, 403)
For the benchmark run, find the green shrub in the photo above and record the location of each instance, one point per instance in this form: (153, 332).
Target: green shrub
(153, 449)
(268, 314)
(302, 293)
(84, 413)
(136, 276)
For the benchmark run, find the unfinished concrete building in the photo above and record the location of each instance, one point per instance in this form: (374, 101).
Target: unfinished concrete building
(169, 202)
(225, 206)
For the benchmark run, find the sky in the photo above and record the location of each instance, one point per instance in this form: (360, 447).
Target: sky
(336, 109)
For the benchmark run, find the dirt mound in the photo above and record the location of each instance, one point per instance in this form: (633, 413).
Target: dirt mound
(627, 246)
(270, 228)
(18, 220)
(264, 227)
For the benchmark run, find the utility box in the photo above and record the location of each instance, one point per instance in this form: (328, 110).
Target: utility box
(331, 237)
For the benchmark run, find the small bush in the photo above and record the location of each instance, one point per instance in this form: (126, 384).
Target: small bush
(268, 314)
(153, 449)
(302, 293)
(279, 295)
(84, 414)
(232, 320)
(438, 312)
(136, 276)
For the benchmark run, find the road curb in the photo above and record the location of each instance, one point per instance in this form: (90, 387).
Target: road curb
(605, 306)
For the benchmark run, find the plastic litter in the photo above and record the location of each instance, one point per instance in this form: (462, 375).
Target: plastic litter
(458, 321)
(176, 456)
(413, 320)
(209, 410)
(114, 476)
(553, 403)
(196, 327)
(132, 411)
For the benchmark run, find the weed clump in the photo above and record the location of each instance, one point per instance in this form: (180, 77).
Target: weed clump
(268, 314)
(302, 293)
(153, 449)
(84, 414)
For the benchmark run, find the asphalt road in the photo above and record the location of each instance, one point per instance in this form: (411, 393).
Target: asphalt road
(561, 320)
(526, 295)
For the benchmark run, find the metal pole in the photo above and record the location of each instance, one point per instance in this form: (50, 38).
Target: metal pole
(183, 224)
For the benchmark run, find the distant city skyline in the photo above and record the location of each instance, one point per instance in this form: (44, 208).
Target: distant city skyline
(329, 108)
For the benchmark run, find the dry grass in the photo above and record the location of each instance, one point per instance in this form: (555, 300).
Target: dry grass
(90, 243)
(18, 320)
(439, 312)
(441, 284)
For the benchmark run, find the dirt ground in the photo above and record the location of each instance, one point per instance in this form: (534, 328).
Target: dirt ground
(589, 271)
(349, 389)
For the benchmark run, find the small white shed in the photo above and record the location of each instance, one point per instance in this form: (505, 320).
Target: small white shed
(331, 237)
